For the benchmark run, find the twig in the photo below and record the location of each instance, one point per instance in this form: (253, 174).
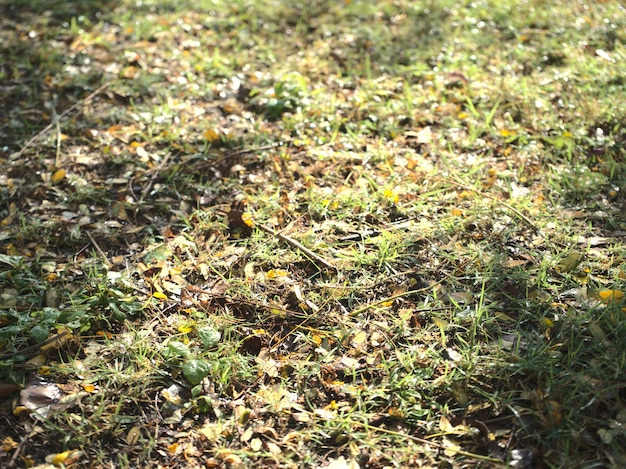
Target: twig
(19, 449)
(435, 444)
(57, 122)
(62, 115)
(229, 156)
(243, 151)
(315, 258)
(154, 177)
(98, 248)
(35, 347)
(521, 216)
(358, 311)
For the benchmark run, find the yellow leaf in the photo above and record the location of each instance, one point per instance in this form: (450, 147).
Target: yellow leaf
(317, 339)
(247, 219)
(58, 176)
(62, 337)
(610, 296)
(440, 323)
(9, 444)
(359, 339)
(211, 135)
(37, 361)
(20, 411)
(185, 328)
(256, 444)
(276, 273)
(59, 458)
(456, 212)
(88, 387)
(159, 295)
(172, 448)
(507, 132)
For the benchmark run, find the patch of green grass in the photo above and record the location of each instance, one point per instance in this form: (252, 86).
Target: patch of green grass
(457, 166)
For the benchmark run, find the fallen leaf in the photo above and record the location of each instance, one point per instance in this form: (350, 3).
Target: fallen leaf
(342, 463)
(568, 264)
(133, 435)
(9, 444)
(211, 135)
(610, 296)
(256, 444)
(59, 458)
(58, 176)
(6, 389)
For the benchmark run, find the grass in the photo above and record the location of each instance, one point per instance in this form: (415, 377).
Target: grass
(366, 234)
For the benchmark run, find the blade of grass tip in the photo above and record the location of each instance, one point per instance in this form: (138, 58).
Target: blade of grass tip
(491, 114)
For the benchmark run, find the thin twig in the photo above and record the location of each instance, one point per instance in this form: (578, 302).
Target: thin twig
(243, 151)
(98, 248)
(62, 115)
(57, 122)
(435, 444)
(34, 347)
(358, 311)
(315, 258)
(154, 177)
(521, 216)
(16, 454)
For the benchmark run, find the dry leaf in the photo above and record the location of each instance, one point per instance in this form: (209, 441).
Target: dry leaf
(133, 435)
(610, 296)
(58, 176)
(6, 389)
(568, 264)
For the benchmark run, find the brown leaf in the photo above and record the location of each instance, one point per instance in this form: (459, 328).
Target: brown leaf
(6, 389)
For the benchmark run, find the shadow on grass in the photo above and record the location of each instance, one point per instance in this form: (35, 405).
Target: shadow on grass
(556, 375)
(39, 70)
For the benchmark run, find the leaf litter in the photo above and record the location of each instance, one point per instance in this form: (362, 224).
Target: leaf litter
(340, 236)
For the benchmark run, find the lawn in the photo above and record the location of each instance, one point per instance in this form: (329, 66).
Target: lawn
(349, 234)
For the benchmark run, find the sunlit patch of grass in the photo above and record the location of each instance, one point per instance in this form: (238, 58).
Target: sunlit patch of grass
(459, 164)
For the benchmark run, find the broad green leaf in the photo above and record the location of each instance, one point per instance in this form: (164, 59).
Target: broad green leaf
(196, 370)
(570, 262)
(209, 336)
(177, 349)
(39, 333)
(13, 261)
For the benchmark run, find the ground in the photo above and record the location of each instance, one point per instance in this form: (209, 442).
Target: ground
(325, 234)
